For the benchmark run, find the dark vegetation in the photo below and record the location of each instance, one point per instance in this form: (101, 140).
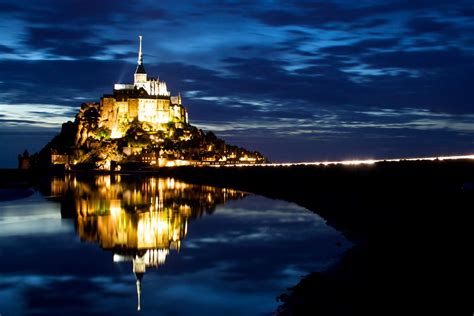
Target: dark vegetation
(411, 223)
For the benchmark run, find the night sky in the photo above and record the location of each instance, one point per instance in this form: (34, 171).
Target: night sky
(298, 82)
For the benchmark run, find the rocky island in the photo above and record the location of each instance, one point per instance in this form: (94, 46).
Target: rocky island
(139, 125)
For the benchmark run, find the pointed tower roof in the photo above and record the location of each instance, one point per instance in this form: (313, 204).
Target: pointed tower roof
(140, 67)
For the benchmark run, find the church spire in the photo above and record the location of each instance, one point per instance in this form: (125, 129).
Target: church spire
(140, 67)
(140, 54)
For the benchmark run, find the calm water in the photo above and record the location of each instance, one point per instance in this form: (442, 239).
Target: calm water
(112, 244)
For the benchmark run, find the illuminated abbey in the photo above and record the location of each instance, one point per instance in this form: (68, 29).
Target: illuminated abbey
(139, 126)
(147, 99)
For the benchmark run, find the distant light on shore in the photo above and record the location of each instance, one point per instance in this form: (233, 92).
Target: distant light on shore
(350, 162)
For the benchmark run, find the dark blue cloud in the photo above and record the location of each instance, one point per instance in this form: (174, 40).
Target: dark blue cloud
(442, 59)
(429, 25)
(361, 47)
(61, 42)
(6, 49)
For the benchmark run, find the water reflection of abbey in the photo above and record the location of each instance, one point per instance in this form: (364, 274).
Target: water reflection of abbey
(140, 220)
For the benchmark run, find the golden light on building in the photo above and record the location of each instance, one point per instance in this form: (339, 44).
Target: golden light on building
(146, 99)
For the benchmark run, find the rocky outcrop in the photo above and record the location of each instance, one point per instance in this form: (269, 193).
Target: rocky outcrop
(88, 141)
(87, 120)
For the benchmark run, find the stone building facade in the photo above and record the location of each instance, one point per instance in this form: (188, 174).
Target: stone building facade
(147, 100)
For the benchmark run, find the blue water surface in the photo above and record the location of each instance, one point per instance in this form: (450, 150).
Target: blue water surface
(72, 249)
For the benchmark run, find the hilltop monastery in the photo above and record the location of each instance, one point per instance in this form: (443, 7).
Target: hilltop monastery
(139, 124)
(147, 99)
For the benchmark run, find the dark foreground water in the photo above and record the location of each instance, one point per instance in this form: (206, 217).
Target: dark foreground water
(109, 245)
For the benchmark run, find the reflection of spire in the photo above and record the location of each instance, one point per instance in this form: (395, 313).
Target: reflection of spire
(139, 270)
(139, 290)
